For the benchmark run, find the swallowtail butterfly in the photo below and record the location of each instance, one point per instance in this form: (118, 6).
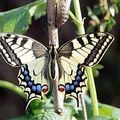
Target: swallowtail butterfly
(39, 64)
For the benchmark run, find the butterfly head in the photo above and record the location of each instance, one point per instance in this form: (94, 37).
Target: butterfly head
(52, 53)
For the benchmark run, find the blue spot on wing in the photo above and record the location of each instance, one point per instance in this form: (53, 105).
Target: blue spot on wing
(25, 72)
(27, 78)
(75, 86)
(72, 88)
(30, 83)
(35, 88)
(78, 78)
(67, 88)
(38, 88)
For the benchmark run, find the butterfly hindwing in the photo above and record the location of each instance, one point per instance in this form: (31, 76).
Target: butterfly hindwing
(72, 79)
(32, 78)
(16, 49)
(87, 49)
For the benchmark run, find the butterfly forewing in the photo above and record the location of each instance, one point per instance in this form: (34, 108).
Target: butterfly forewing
(18, 49)
(87, 49)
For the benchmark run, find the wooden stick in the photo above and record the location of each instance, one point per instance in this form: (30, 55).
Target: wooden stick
(84, 111)
(52, 30)
(53, 41)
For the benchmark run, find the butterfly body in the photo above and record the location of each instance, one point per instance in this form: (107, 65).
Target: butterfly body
(53, 64)
(40, 65)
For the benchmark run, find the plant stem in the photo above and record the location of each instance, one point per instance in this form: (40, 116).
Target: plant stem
(53, 42)
(12, 87)
(78, 15)
(92, 90)
(91, 83)
(75, 20)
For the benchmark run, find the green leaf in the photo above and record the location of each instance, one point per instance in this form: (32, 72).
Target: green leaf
(96, 69)
(69, 111)
(111, 23)
(48, 115)
(40, 10)
(101, 118)
(109, 110)
(12, 87)
(117, 2)
(116, 113)
(103, 25)
(36, 106)
(19, 19)
(104, 110)
(92, 15)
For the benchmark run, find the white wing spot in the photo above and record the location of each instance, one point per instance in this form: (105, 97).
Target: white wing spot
(32, 95)
(6, 55)
(22, 52)
(83, 77)
(105, 43)
(3, 38)
(100, 51)
(76, 44)
(27, 57)
(4, 51)
(23, 83)
(9, 60)
(82, 53)
(12, 36)
(10, 43)
(13, 63)
(85, 40)
(18, 49)
(28, 44)
(14, 46)
(89, 46)
(19, 40)
(28, 89)
(1, 47)
(86, 50)
(107, 40)
(97, 56)
(9, 40)
(95, 60)
(110, 37)
(102, 47)
(91, 64)
(91, 35)
(94, 43)
(79, 57)
(95, 39)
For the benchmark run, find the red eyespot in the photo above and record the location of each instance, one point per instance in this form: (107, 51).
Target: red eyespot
(61, 88)
(45, 89)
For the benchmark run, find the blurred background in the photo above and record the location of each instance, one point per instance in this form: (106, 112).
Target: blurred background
(107, 83)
